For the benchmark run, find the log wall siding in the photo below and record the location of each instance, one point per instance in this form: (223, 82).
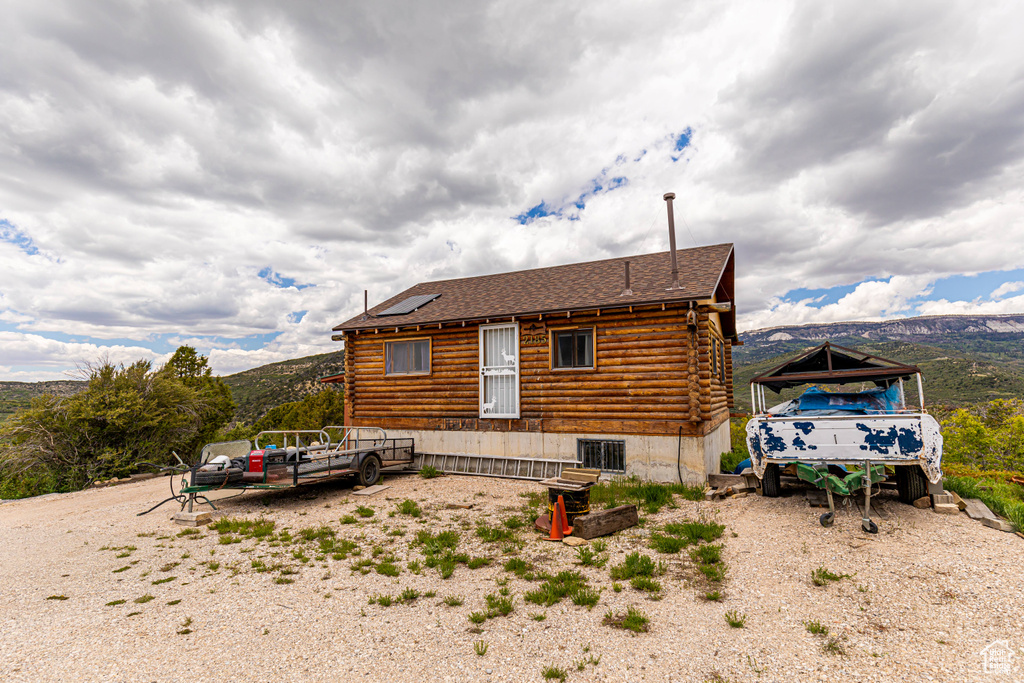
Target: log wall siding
(649, 378)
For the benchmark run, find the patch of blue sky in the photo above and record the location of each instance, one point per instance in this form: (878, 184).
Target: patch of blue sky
(682, 142)
(296, 316)
(820, 297)
(606, 181)
(598, 185)
(971, 287)
(271, 276)
(542, 210)
(952, 288)
(12, 235)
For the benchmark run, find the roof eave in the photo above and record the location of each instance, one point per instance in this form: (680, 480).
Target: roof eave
(379, 323)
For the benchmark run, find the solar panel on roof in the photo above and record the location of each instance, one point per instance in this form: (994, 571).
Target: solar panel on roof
(409, 305)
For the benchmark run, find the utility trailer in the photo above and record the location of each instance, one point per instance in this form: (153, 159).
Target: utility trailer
(290, 458)
(827, 429)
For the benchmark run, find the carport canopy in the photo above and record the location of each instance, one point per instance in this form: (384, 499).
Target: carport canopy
(832, 364)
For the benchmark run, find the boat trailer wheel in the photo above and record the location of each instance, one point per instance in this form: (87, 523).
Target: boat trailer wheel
(827, 519)
(869, 526)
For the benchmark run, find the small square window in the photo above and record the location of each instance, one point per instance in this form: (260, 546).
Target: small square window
(607, 456)
(574, 348)
(407, 357)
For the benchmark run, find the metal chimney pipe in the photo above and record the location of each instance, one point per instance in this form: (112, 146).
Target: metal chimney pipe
(669, 196)
(627, 291)
(366, 301)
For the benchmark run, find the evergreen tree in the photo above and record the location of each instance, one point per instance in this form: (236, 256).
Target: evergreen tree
(124, 416)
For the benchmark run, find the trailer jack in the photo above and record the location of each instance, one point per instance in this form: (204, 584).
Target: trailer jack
(819, 475)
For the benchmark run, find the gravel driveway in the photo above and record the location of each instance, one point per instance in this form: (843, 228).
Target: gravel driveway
(920, 602)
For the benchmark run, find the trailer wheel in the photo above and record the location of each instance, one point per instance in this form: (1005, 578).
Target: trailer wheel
(369, 470)
(771, 482)
(910, 483)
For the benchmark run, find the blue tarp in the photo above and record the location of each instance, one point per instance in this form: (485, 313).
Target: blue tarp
(871, 401)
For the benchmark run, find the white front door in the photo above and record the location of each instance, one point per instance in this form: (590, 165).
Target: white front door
(499, 371)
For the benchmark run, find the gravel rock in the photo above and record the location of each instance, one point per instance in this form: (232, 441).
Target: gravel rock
(921, 600)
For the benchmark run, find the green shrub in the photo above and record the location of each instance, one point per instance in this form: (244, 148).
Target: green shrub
(645, 583)
(434, 544)
(735, 619)
(1002, 498)
(499, 605)
(584, 596)
(410, 507)
(553, 672)
(695, 532)
(649, 496)
(738, 441)
(588, 558)
(816, 627)
(635, 565)
(555, 588)
(123, 416)
(429, 472)
(667, 544)
(707, 554)
(822, 576)
(249, 528)
(988, 436)
(493, 534)
(633, 620)
(388, 569)
(518, 566)
(715, 573)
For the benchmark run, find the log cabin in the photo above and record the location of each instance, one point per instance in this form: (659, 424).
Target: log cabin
(622, 364)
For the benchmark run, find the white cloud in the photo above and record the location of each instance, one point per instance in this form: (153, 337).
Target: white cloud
(1007, 288)
(944, 307)
(868, 301)
(157, 157)
(56, 357)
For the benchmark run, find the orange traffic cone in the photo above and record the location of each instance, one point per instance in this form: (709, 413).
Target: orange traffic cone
(566, 529)
(556, 525)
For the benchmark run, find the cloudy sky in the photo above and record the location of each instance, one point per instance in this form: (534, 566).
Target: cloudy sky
(232, 175)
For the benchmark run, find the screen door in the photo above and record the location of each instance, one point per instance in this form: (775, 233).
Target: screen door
(499, 371)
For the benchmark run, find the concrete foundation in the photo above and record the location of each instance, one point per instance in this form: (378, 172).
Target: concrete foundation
(653, 458)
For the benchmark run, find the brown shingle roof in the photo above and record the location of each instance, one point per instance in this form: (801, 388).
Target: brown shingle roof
(576, 286)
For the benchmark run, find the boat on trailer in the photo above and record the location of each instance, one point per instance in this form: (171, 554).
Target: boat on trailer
(870, 429)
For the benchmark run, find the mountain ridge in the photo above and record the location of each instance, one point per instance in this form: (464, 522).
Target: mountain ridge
(965, 359)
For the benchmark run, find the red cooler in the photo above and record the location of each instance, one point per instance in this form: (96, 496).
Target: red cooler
(256, 461)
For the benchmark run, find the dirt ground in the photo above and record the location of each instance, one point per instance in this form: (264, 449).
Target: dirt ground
(922, 600)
